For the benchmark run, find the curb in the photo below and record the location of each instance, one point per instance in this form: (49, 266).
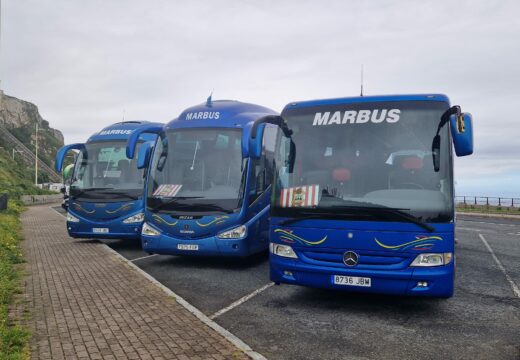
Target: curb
(192, 309)
(488, 215)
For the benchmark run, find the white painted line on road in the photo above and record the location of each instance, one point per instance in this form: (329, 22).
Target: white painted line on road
(241, 301)
(466, 229)
(515, 288)
(192, 309)
(486, 222)
(144, 257)
(462, 228)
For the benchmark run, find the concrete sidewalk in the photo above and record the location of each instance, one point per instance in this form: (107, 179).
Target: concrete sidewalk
(86, 303)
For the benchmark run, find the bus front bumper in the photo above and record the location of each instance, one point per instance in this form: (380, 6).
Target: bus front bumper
(416, 281)
(207, 246)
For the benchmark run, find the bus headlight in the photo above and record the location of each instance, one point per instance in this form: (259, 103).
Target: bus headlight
(72, 218)
(432, 259)
(137, 218)
(239, 232)
(282, 250)
(149, 231)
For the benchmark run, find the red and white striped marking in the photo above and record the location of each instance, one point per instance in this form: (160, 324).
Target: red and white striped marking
(300, 196)
(167, 190)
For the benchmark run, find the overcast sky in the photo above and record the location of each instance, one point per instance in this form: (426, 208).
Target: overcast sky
(86, 63)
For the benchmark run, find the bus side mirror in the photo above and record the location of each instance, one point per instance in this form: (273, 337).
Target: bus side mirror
(62, 152)
(462, 133)
(143, 158)
(255, 144)
(135, 135)
(257, 132)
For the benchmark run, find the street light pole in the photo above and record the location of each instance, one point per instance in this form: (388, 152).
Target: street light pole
(16, 151)
(36, 162)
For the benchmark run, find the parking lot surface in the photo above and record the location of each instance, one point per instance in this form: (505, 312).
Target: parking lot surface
(482, 320)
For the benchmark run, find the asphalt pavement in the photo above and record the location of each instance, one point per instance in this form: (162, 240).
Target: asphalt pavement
(481, 321)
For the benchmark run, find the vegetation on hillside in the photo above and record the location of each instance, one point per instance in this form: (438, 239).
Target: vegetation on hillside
(47, 143)
(16, 178)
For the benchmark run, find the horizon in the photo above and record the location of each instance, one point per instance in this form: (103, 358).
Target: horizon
(96, 61)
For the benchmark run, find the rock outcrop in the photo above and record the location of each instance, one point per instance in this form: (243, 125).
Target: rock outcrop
(20, 118)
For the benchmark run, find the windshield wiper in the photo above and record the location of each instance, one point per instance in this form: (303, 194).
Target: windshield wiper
(84, 191)
(395, 211)
(206, 207)
(321, 215)
(122, 194)
(173, 201)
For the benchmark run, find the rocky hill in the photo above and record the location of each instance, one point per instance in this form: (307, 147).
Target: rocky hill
(20, 118)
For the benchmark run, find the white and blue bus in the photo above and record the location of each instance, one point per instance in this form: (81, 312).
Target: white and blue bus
(106, 198)
(363, 194)
(208, 186)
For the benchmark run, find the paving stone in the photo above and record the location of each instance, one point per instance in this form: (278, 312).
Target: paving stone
(85, 303)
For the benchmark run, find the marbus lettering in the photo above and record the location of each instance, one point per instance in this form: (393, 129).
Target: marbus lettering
(375, 116)
(203, 115)
(115, 132)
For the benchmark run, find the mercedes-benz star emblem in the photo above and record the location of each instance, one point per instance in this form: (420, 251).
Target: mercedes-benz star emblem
(350, 258)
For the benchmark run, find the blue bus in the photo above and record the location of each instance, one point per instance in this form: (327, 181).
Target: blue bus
(209, 182)
(106, 189)
(363, 194)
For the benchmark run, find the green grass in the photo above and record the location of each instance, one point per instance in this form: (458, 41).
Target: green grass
(15, 179)
(14, 339)
(503, 210)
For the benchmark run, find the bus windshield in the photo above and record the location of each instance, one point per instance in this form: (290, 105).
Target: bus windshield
(197, 170)
(355, 159)
(103, 172)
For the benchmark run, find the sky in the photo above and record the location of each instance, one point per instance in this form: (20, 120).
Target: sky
(87, 64)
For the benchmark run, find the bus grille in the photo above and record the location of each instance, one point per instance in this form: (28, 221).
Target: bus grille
(367, 260)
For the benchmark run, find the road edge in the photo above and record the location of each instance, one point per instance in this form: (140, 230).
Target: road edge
(489, 215)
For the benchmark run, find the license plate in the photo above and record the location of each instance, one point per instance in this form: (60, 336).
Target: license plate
(352, 280)
(100, 230)
(190, 247)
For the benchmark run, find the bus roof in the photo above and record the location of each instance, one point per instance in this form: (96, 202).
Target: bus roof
(367, 99)
(120, 131)
(219, 113)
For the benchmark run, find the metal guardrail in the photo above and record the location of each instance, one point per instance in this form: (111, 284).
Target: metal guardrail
(487, 201)
(28, 155)
(41, 199)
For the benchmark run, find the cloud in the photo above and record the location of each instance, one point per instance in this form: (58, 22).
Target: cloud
(86, 63)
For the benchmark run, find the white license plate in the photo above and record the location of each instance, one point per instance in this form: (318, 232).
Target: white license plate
(190, 247)
(352, 280)
(100, 230)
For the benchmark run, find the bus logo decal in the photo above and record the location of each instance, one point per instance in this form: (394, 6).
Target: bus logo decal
(288, 237)
(420, 243)
(350, 258)
(79, 208)
(124, 207)
(216, 220)
(203, 115)
(375, 116)
(160, 220)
